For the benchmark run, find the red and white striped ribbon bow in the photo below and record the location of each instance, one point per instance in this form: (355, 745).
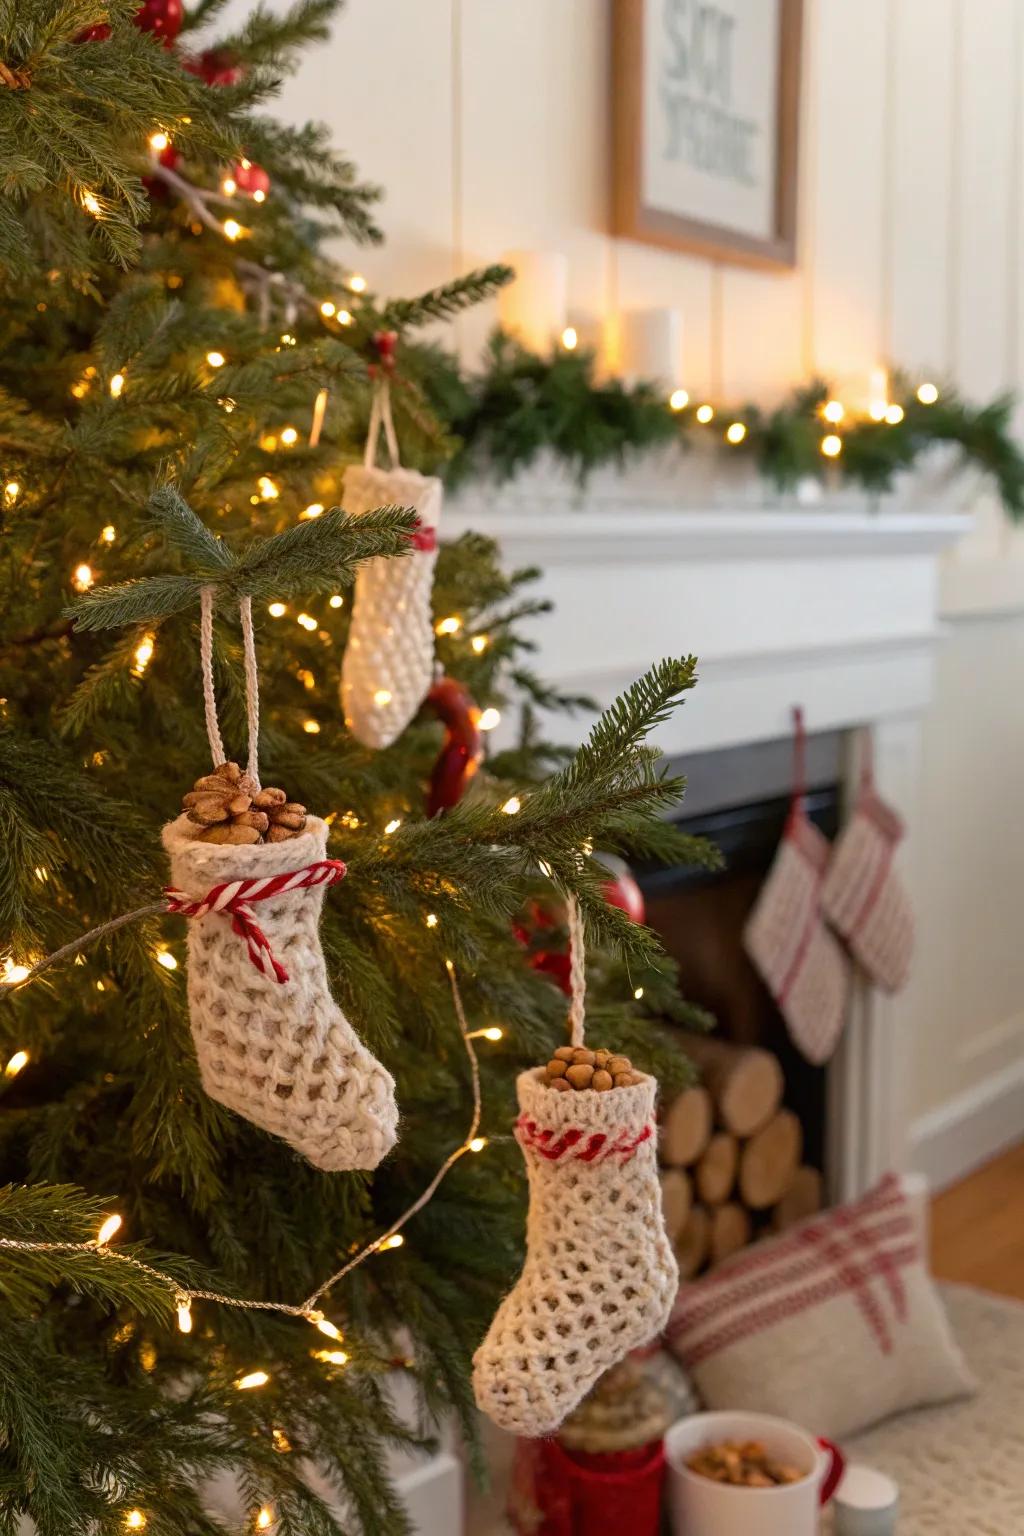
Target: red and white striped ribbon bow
(233, 898)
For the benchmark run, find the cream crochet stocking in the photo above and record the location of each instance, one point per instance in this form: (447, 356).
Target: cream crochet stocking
(600, 1277)
(389, 659)
(281, 1054)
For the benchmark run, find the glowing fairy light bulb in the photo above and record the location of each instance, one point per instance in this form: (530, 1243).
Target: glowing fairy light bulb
(893, 415)
(832, 446)
(735, 433)
(927, 394)
(357, 283)
(570, 338)
(143, 654)
(513, 805)
(336, 601)
(12, 490)
(216, 359)
(108, 534)
(289, 436)
(91, 204)
(277, 610)
(332, 1356)
(494, 1032)
(116, 385)
(307, 621)
(327, 1328)
(13, 973)
(159, 142)
(480, 643)
(490, 718)
(264, 1520)
(315, 509)
(477, 1144)
(449, 626)
(392, 826)
(253, 1379)
(232, 229)
(229, 186)
(679, 399)
(833, 410)
(431, 919)
(328, 309)
(396, 1240)
(269, 489)
(311, 727)
(82, 577)
(705, 413)
(638, 993)
(382, 697)
(135, 1520)
(109, 1229)
(343, 317)
(184, 1315)
(166, 959)
(17, 1063)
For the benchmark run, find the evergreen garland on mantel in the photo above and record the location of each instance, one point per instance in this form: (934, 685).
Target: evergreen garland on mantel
(520, 404)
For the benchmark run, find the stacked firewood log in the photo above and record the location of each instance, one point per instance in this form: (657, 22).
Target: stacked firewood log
(731, 1156)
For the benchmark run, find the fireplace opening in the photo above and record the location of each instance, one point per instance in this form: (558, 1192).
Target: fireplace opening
(740, 799)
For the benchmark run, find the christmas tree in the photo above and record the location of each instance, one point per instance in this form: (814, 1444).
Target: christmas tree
(185, 374)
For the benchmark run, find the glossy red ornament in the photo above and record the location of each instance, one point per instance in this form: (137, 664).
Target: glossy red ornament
(553, 963)
(161, 17)
(157, 189)
(97, 34)
(386, 344)
(622, 890)
(215, 66)
(250, 178)
(463, 750)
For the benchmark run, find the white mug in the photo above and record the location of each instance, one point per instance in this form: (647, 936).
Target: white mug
(702, 1507)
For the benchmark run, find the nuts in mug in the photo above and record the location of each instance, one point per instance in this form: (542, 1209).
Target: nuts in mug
(743, 1464)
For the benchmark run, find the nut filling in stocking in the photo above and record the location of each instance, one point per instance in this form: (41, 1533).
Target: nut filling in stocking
(600, 1276)
(276, 1048)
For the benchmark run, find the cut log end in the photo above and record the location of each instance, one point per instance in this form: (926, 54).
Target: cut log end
(686, 1128)
(693, 1243)
(769, 1161)
(730, 1231)
(715, 1173)
(676, 1201)
(745, 1082)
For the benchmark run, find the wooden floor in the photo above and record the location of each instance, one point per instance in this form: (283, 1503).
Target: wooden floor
(978, 1227)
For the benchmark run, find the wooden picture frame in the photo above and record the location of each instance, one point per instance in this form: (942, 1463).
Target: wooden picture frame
(760, 229)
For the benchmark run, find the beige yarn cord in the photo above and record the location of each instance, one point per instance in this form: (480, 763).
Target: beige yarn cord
(381, 417)
(577, 973)
(252, 682)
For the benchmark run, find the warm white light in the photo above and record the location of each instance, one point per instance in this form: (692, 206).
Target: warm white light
(833, 410)
(431, 919)
(394, 1241)
(109, 534)
(336, 601)
(490, 718)
(343, 317)
(493, 1033)
(393, 825)
(679, 399)
(705, 413)
(259, 196)
(116, 385)
(254, 1379)
(166, 959)
(927, 394)
(158, 142)
(135, 1520)
(311, 727)
(289, 436)
(832, 446)
(16, 1063)
(12, 490)
(229, 186)
(877, 410)
(329, 1329)
(232, 229)
(735, 432)
(268, 489)
(382, 697)
(91, 204)
(13, 973)
(477, 1144)
(143, 655)
(306, 677)
(332, 1356)
(110, 1227)
(570, 338)
(449, 626)
(894, 415)
(480, 643)
(327, 309)
(512, 806)
(277, 610)
(216, 359)
(185, 1316)
(307, 621)
(264, 1519)
(82, 577)
(288, 340)
(638, 993)
(357, 282)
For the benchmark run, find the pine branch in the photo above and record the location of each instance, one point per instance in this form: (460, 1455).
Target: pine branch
(445, 302)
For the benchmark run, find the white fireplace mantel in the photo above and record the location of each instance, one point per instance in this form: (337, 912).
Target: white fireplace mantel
(837, 610)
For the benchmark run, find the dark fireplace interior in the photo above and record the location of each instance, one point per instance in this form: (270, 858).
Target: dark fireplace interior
(739, 799)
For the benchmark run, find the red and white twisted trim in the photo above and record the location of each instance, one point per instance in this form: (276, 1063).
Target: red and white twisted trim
(232, 899)
(577, 1145)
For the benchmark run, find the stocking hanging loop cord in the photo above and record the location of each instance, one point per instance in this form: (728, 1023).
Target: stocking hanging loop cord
(234, 898)
(381, 419)
(577, 973)
(252, 682)
(799, 756)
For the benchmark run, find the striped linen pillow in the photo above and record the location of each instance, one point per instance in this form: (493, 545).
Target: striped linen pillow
(835, 1324)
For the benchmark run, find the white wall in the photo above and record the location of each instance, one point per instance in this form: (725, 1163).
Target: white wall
(487, 123)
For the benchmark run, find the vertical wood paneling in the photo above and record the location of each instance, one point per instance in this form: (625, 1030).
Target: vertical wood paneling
(384, 85)
(983, 198)
(920, 155)
(848, 85)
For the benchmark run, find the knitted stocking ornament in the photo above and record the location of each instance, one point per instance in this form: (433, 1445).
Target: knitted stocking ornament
(281, 1053)
(801, 963)
(864, 897)
(389, 659)
(600, 1276)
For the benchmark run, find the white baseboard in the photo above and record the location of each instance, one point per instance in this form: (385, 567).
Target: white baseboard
(964, 1132)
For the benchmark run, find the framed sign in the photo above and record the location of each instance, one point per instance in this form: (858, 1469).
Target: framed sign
(705, 112)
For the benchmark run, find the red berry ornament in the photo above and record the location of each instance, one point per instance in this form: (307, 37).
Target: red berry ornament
(97, 34)
(622, 890)
(161, 17)
(251, 179)
(215, 66)
(386, 345)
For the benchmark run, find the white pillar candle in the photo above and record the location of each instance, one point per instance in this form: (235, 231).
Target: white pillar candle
(866, 1503)
(651, 346)
(532, 307)
(878, 393)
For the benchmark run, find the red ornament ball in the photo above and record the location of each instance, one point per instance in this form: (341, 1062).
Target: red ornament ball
(163, 18)
(251, 179)
(97, 34)
(215, 66)
(622, 890)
